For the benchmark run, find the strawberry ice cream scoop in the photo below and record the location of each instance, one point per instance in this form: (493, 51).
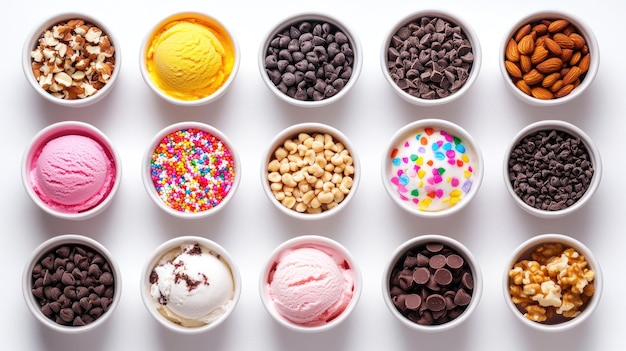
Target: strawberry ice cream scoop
(72, 173)
(310, 286)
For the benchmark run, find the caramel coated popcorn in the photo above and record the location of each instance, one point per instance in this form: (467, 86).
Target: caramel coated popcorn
(554, 281)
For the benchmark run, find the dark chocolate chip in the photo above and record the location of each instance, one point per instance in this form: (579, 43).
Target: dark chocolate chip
(437, 261)
(443, 276)
(462, 298)
(454, 261)
(421, 275)
(412, 301)
(436, 302)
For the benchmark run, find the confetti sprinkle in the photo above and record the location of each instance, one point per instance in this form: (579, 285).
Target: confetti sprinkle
(192, 170)
(432, 169)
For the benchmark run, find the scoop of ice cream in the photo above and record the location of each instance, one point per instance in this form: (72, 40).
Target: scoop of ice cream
(189, 60)
(309, 287)
(192, 286)
(72, 173)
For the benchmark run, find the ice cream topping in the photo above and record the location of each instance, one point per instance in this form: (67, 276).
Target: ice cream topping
(72, 173)
(192, 170)
(189, 58)
(432, 169)
(309, 286)
(192, 286)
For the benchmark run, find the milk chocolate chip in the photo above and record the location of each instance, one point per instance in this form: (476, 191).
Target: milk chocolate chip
(431, 284)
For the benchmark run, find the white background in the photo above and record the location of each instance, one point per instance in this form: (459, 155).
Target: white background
(371, 227)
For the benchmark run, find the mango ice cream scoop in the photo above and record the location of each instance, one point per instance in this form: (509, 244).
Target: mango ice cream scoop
(189, 58)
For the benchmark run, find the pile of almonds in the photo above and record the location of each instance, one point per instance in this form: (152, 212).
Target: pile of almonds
(73, 59)
(547, 59)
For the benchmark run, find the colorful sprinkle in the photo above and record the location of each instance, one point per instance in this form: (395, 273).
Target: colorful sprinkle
(432, 169)
(192, 170)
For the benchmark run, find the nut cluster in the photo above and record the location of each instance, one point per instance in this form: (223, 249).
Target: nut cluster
(73, 284)
(311, 173)
(547, 59)
(555, 281)
(73, 60)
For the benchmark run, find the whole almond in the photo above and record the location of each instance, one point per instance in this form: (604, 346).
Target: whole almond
(575, 58)
(540, 54)
(563, 40)
(526, 45)
(540, 29)
(584, 63)
(566, 54)
(572, 75)
(564, 91)
(578, 40)
(513, 69)
(558, 26)
(523, 31)
(550, 65)
(512, 53)
(557, 86)
(525, 88)
(550, 79)
(525, 63)
(533, 77)
(541, 93)
(552, 46)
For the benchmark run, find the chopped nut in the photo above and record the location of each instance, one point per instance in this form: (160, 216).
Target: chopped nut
(73, 59)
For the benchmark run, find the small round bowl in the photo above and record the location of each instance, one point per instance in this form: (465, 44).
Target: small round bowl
(525, 198)
(306, 202)
(339, 254)
(412, 164)
(210, 188)
(271, 61)
(195, 96)
(29, 164)
(409, 76)
(555, 94)
(557, 323)
(165, 252)
(468, 264)
(112, 292)
(81, 95)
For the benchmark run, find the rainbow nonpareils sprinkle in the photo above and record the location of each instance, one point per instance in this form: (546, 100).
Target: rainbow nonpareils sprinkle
(192, 170)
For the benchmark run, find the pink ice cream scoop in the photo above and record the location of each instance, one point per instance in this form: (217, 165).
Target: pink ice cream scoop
(72, 173)
(309, 286)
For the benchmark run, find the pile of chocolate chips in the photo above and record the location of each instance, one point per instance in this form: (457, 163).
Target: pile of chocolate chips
(431, 284)
(73, 284)
(550, 170)
(430, 58)
(310, 60)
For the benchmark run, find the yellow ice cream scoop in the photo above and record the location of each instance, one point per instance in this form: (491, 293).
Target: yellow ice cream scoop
(189, 59)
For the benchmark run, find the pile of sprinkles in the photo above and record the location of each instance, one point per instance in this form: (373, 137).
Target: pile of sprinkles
(192, 170)
(432, 169)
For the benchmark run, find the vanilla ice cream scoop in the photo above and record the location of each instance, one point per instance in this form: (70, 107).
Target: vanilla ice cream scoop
(72, 173)
(309, 287)
(192, 286)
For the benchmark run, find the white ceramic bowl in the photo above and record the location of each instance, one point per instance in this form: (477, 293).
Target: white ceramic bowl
(594, 157)
(234, 161)
(331, 247)
(313, 17)
(291, 133)
(413, 191)
(172, 244)
(217, 26)
(51, 245)
(69, 128)
(557, 324)
(32, 41)
(582, 28)
(420, 241)
(450, 17)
